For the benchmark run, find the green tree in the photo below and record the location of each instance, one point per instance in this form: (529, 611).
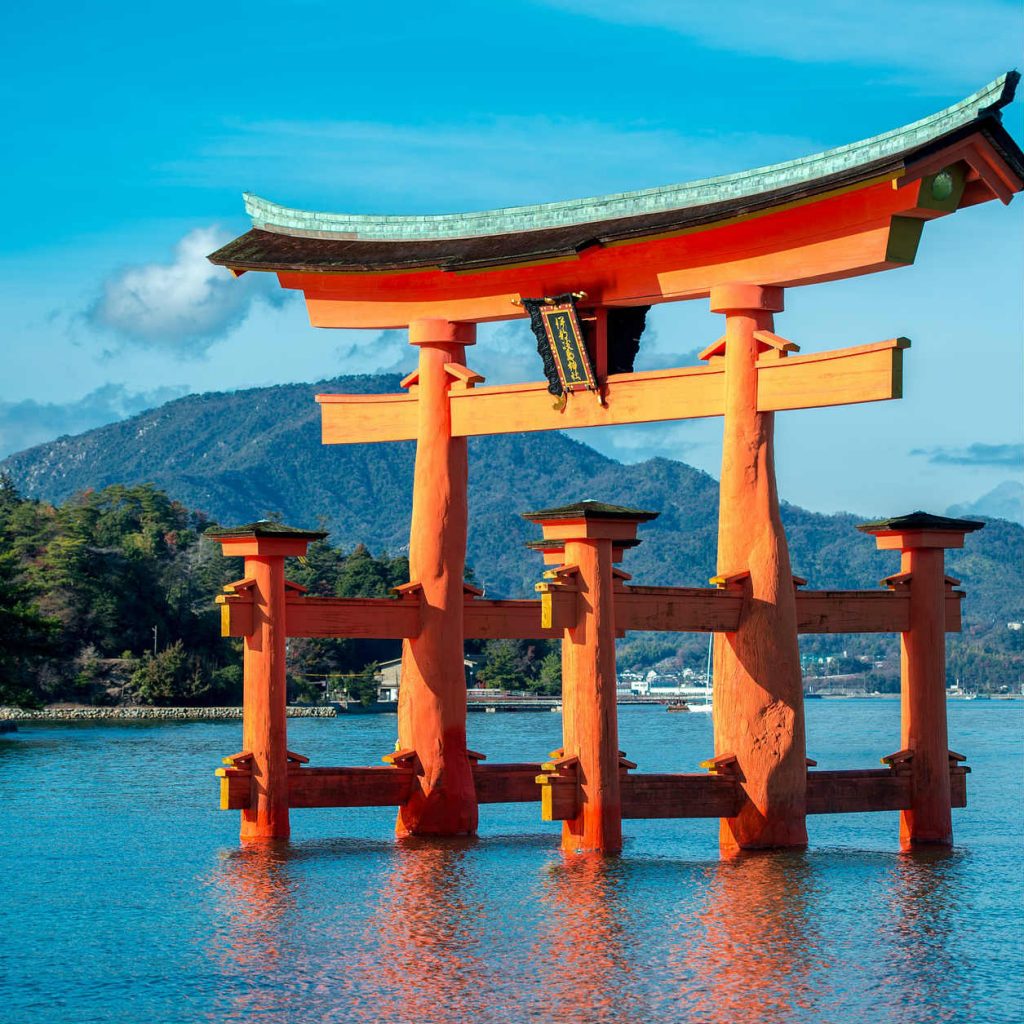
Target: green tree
(549, 678)
(169, 677)
(26, 635)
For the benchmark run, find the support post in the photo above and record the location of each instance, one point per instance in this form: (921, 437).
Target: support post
(758, 698)
(921, 540)
(432, 698)
(264, 546)
(590, 732)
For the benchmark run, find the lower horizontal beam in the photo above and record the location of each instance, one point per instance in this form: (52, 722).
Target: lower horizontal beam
(872, 789)
(378, 786)
(506, 783)
(864, 611)
(850, 792)
(375, 618)
(665, 609)
(682, 795)
(696, 795)
(505, 620)
(349, 787)
(677, 609)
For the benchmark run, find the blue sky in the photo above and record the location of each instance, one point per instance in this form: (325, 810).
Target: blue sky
(132, 129)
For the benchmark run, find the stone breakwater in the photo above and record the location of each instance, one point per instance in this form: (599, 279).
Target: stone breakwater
(142, 714)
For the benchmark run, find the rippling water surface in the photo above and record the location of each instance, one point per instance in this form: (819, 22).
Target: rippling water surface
(127, 897)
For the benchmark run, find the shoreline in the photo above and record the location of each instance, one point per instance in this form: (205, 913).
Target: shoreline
(137, 714)
(14, 715)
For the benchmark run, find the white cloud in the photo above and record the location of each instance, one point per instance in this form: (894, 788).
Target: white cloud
(953, 41)
(27, 423)
(184, 304)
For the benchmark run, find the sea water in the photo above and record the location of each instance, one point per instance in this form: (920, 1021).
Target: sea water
(128, 898)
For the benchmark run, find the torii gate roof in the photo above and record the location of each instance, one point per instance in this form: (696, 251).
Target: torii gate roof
(677, 240)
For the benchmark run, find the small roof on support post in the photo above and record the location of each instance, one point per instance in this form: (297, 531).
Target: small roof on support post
(264, 537)
(263, 528)
(920, 530)
(590, 509)
(590, 520)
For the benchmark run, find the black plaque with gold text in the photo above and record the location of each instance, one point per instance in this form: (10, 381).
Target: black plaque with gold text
(562, 328)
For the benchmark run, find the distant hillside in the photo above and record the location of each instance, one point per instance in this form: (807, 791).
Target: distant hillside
(1005, 502)
(243, 455)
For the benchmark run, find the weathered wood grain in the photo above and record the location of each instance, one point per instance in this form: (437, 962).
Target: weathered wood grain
(506, 783)
(677, 609)
(380, 618)
(509, 620)
(687, 795)
(852, 791)
(349, 787)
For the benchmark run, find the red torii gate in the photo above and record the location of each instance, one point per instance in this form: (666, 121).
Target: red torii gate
(741, 241)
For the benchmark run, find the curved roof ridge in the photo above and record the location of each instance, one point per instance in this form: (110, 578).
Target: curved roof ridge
(272, 217)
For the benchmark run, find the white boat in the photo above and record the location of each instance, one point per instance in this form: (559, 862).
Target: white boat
(705, 705)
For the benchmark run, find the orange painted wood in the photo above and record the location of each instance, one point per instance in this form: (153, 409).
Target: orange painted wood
(560, 798)
(237, 617)
(677, 609)
(379, 618)
(432, 697)
(852, 611)
(695, 795)
(864, 251)
(679, 393)
(867, 373)
(864, 611)
(854, 791)
(898, 541)
(509, 620)
(506, 783)
(758, 694)
(958, 786)
(350, 787)
(264, 726)
(667, 609)
(348, 419)
(394, 313)
(590, 728)
(826, 238)
(923, 701)
(235, 788)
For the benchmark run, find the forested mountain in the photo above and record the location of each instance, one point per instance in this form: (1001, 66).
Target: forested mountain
(246, 455)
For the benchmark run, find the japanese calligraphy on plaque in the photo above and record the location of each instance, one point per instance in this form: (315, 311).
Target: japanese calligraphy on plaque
(561, 344)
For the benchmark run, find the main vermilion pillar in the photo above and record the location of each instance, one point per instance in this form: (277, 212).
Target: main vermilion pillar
(432, 698)
(758, 697)
(264, 546)
(921, 540)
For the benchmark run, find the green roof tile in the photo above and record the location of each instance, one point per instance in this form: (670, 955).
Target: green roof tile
(920, 521)
(264, 528)
(589, 509)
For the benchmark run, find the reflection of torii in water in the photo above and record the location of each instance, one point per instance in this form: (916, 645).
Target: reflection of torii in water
(740, 240)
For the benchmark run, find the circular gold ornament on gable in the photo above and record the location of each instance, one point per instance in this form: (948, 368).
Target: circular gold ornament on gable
(943, 184)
